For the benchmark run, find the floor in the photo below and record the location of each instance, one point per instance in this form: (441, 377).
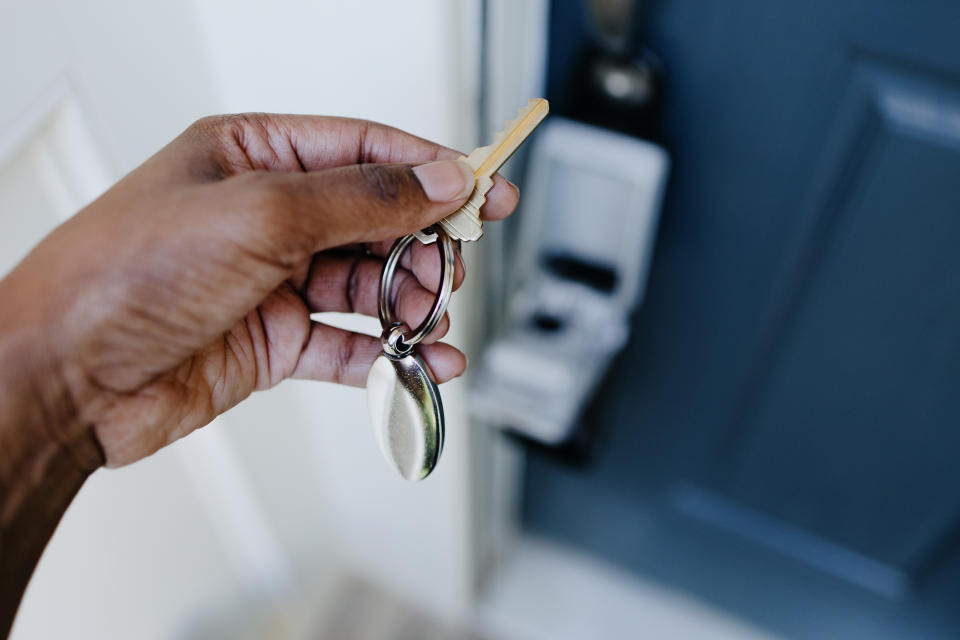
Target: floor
(552, 592)
(544, 592)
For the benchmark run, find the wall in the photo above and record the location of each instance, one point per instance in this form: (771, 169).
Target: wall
(288, 488)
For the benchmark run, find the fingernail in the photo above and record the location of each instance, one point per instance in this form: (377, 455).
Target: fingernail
(445, 180)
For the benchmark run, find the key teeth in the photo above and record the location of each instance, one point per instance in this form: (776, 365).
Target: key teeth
(477, 155)
(465, 223)
(509, 125)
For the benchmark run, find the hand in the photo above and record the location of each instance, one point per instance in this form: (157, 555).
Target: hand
(189, 284)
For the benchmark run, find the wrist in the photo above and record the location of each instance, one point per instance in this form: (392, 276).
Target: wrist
(39, 420)
(45, 453)
(37, 407)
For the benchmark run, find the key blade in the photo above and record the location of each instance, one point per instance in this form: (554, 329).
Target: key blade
(464, 223)
(487, 160)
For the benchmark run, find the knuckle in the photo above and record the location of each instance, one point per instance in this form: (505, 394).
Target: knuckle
(216, 129)
(227, 123)
(229, 133)
(407, 294)
(343, 358)
(352, 288)
(226, 139)
(205, 124)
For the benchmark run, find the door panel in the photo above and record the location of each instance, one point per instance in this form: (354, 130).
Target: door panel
(847, 425)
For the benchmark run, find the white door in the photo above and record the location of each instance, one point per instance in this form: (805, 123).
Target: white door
(288, 488)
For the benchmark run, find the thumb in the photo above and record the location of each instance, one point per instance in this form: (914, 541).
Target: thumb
(301, 213)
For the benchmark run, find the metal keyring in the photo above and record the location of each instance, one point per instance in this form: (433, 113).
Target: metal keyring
(396, 343)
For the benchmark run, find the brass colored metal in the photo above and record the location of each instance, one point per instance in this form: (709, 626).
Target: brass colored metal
(464, 223)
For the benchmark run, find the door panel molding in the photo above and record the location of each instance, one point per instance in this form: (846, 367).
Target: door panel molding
(892, 120)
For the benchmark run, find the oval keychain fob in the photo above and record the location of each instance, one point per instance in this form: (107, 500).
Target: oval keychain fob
(407, 413)
(402, 395)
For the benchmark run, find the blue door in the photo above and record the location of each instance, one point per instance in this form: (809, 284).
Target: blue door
(782, 434)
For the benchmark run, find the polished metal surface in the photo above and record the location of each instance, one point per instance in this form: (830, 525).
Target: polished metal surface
(406, 413)
(402, 395)
(385, 302)
(392, 339)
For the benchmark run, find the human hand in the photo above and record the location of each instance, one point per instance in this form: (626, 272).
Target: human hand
(189, 284)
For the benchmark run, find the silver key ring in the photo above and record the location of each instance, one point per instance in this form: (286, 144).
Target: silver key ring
(395, 341)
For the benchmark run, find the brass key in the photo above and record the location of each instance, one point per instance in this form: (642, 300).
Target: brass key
(464, 223)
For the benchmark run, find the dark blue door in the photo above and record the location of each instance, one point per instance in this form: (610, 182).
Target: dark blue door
(782, 434)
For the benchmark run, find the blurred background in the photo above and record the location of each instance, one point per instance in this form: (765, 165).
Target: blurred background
(714, 357)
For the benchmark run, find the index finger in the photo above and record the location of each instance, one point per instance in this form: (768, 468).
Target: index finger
(275, 142)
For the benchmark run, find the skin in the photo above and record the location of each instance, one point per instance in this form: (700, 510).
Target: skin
(189, 285)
